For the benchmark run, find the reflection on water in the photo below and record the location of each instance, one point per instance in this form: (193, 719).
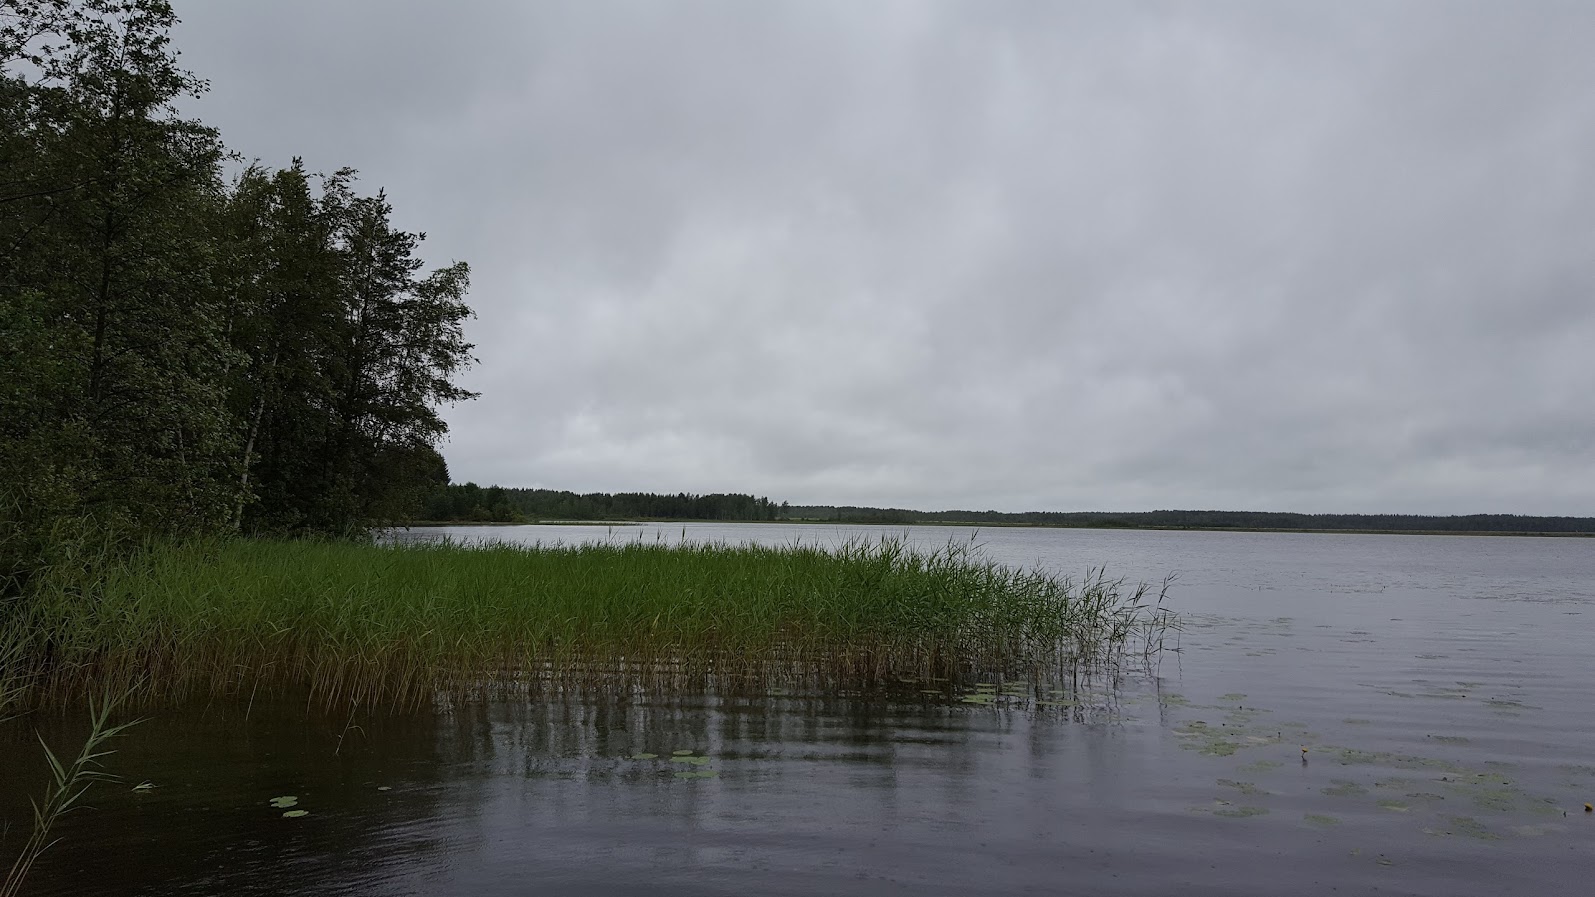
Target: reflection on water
(1436, 683)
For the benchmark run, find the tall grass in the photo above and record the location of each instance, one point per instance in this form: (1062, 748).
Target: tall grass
(15, 673)
(70, 781)
(375, 624)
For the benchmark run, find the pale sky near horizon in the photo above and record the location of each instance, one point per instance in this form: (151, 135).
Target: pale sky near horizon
(1319, 257)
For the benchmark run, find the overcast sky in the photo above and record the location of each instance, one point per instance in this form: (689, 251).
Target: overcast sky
(1332, 257)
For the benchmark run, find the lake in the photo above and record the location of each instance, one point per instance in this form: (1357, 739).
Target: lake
(1440, 686)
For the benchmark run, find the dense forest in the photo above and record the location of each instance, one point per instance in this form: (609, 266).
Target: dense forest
(1263, 520)
(191, 345)
(470, 502)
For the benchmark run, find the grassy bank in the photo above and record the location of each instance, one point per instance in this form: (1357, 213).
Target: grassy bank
(395, 624)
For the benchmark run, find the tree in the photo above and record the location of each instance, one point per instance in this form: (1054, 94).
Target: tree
(286, 314)
(403, 346)
(346, 354)
(109, 354)
(178, 356)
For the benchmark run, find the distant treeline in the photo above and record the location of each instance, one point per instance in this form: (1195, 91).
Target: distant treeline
(1500, 523)
(470, 502)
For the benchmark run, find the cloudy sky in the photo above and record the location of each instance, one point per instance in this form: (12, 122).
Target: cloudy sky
(1336, 256)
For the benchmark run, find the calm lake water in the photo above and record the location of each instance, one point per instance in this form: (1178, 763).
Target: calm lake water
(1441, 686)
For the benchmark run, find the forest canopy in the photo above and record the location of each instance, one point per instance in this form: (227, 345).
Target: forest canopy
(188, 346)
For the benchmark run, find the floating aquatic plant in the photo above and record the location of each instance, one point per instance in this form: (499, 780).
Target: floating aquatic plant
(1344, 788)
(1232, 812)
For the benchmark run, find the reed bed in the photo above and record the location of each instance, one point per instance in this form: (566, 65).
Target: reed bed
(397, 625)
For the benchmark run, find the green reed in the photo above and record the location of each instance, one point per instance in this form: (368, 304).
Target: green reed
(379, 624)
(70, 781)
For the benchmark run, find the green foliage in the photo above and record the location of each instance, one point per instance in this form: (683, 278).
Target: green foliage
(70, 781)
(110, 409)
(376, 624)
(14, 674)
(179, 356)
(346, 354)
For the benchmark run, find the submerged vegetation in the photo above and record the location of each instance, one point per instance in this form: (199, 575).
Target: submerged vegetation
(379, 625)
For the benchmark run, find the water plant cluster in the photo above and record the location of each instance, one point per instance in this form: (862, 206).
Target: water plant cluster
(1446, 795)
(374, 624)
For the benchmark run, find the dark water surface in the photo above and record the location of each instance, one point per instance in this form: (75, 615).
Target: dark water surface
(1440, 684)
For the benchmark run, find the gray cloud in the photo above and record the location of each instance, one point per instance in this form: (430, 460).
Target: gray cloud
(1318, 257)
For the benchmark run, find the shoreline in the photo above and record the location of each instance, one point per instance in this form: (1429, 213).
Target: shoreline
(435, 524)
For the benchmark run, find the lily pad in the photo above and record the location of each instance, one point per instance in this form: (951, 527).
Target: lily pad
(681, 753)
(295, 814)
(644, 755)
(695, 761)
(284, 802)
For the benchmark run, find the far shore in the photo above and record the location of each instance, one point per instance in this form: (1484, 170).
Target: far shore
(990, 525)
(434, 523)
